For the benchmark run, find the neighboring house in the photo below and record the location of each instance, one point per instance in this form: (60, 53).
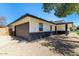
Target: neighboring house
(32, 27)
(4, 30)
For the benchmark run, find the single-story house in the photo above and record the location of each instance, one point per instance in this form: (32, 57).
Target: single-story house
(33, 27)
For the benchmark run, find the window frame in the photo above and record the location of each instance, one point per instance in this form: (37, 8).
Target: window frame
(40, 26)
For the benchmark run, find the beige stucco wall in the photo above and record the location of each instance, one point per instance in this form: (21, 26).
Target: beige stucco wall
(34, 25)
(61, 27)
(23, 20)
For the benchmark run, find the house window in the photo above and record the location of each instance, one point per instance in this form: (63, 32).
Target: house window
(50, 27)
(40, 27)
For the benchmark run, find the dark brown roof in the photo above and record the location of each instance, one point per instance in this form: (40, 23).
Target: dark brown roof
(37, 18)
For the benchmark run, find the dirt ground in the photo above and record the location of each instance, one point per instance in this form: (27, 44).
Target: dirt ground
(55, 45)
(10, 47)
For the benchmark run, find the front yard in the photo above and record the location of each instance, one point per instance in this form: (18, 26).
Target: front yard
(17, 47)
(55, 45)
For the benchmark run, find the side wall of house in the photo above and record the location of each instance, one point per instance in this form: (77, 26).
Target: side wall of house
(34, 28)
(34, 25)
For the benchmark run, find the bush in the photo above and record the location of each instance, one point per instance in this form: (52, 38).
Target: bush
(78, 33)
(71, 29)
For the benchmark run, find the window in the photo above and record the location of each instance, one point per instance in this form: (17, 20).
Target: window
(40, 27)
(50, 27)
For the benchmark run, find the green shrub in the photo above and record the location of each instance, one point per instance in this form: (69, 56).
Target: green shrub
(71, 29)
(78, 33)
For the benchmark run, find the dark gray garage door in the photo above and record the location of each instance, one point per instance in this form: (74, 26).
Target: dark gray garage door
(22, 30)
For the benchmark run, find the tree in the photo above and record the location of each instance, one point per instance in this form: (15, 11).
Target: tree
(61, 9)
(2, 21)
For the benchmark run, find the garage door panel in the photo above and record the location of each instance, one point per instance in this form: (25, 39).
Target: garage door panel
(22, 30)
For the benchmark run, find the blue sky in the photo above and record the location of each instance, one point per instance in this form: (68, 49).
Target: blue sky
(12, 11)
